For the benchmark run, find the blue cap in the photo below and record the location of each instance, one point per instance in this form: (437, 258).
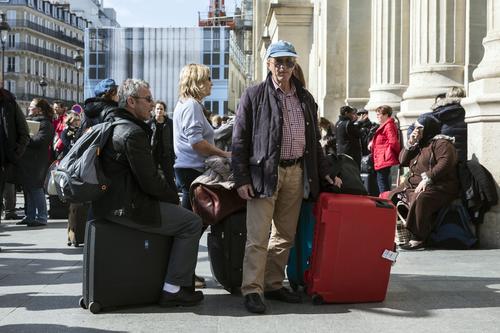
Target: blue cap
(104, 86)
(281, 48)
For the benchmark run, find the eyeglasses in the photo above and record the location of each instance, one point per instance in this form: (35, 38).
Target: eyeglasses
(148, 99)
(283, 62)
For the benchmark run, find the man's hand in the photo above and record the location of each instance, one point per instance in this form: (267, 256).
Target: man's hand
(421, 186)
(337, 181)
(245, 192)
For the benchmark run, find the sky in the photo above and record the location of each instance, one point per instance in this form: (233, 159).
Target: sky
(161, 13)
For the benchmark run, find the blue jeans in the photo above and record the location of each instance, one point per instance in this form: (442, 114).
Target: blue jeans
(384, 179)
(36, 204)
(184, 177)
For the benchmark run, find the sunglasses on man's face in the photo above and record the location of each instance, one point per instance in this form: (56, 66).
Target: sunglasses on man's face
(283, 62)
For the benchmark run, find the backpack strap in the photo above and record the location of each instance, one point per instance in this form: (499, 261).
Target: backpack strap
(106, 134)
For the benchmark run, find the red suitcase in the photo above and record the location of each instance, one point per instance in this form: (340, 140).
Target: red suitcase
(352, 250)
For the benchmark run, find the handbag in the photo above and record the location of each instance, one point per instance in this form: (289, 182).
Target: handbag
(213, 203)
(367, 164)
(49, 184)
(403, 235)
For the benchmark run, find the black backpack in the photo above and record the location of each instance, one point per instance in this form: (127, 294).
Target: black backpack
(453, 229)
(347, 169)
(79, 176)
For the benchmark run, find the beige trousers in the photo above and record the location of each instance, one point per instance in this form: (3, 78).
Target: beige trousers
(266, 256)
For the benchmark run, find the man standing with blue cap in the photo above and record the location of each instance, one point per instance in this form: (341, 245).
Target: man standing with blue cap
(278, 162)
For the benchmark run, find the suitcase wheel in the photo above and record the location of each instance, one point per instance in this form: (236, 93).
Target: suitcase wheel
(94, 307)
(317, 299)
(82, 303)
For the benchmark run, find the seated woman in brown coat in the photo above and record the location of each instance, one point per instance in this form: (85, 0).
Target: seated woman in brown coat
(432, 182)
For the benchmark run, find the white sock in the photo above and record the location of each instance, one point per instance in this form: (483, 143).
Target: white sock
(170, 288)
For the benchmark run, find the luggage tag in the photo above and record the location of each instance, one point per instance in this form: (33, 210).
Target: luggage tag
(390, 255)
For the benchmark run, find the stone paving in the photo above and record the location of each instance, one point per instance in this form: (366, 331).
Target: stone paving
(429, 291)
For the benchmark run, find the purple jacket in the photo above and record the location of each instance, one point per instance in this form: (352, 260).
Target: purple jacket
(257, 138)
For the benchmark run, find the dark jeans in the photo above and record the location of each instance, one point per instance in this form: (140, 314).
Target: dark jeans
(384, 179)
(183, 178)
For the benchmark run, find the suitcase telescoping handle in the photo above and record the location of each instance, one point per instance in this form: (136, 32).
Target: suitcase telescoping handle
(381, 203)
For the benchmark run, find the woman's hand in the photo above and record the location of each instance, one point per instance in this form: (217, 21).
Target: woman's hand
(421, 186)
(415, 136)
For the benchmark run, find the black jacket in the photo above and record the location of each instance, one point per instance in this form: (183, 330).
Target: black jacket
(34, 163)
(95, 110)
(162, 143)
(348, 138)
(14, 130)
(257, 138)
(136, 186)
(452, 117)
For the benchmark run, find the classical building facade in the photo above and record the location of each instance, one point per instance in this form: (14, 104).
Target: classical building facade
(403, 53)
(43, 40)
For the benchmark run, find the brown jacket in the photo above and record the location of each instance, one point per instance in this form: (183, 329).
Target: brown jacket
(438, 160)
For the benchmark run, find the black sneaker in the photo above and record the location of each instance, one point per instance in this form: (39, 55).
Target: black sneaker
(254, 303)
(284, 295)
(36, 223)
(24, 221)
(183, 297)
(12, 216)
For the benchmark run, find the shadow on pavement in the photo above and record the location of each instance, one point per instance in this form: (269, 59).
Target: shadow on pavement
(15, 245)
(38, 301)
(37, 328)
(70, 250)
(25, 272)
(414, 296)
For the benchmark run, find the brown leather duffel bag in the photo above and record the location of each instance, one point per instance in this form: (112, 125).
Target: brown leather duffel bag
(213, 202)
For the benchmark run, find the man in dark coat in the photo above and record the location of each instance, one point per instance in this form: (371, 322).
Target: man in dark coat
(14, 137)
(97, 108)
(139, 197)
(348, 134)
(277, 160)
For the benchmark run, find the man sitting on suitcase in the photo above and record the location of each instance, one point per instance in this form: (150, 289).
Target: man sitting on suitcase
(277, 161)
(139, 197)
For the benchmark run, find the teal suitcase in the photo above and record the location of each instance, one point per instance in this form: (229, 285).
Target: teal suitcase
(298, 260)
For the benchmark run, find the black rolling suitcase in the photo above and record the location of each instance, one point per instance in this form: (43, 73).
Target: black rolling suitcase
(57, 208)
(122, 266)
(226, 249)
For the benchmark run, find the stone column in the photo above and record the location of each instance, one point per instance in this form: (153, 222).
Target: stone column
(292, 21)
(483, 117)
(390, 37)
(437, 57)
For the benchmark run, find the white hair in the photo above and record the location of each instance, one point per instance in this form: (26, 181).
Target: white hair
(130, 88)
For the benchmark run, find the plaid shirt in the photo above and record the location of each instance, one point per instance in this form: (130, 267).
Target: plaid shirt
(293, 141)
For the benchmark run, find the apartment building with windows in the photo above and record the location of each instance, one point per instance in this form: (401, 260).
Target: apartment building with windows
(44, 38)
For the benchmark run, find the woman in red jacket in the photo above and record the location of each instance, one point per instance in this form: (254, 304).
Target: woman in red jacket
(385, 147)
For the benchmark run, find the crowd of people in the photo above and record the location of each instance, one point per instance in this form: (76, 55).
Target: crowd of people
(276, 157)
